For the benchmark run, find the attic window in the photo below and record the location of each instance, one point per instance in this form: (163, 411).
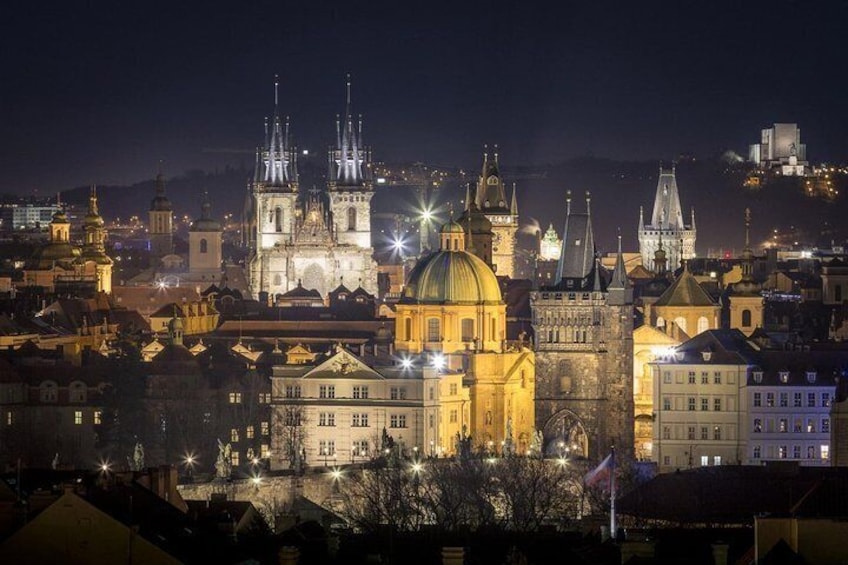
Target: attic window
(811, 377)
(706, 355)
(577, 242)
(784, 377)
(758, 376)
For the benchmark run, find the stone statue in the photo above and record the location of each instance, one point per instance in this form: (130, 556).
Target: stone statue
(508, 445)
(536, 443)
(138, 457)
(223, 465)
(55, 463)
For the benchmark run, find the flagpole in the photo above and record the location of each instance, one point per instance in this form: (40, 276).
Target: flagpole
(612, 493)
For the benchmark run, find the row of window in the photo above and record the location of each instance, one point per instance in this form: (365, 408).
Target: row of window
(692, 403)
(714, 432)
(797, 400)
(264, 453)
(264, 398)
(692, 378)
(782, 425)
(705, 460)
(784, 376)
(359, 392)
(49, 392)
(358, 448)
(250, 432)
(328, 419)
(782, 452)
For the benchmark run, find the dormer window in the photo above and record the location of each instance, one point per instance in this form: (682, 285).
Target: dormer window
(758, 376)
(811, 377)
(707, 355)
(784, 377)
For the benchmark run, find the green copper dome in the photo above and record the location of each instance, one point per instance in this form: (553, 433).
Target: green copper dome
(452, 277)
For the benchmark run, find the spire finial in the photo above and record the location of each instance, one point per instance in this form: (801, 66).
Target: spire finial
(276, 92)
(747, 227)
(588, 202)
(485, 152)
(567, 202)
(496, 152)
(347, 84)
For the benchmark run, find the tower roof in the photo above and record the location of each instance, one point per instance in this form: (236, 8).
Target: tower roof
(205, 223)
(577, 258)
(685, 291)
(276, 162)
(667, 211)
(350, 161)
(160, 202)
(491, 195)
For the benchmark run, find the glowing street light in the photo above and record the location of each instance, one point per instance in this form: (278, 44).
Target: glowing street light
(438, 361)
(406, 362)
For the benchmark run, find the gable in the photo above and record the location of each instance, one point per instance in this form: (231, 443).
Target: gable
(343, 364)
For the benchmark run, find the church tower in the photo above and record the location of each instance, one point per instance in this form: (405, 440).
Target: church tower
(161, 226)
(667, 226)
(746, 300)
(94, 246)
(583, 327)
(273, 206)
(350, 184)
(204, 245)
(491, 201)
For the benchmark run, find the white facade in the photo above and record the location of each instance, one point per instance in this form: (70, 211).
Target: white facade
(780, 149)
(342, 407)
(697, 414)
(788, 417)
(667, 228)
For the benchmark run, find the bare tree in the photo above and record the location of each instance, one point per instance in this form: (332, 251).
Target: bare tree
(290, 434)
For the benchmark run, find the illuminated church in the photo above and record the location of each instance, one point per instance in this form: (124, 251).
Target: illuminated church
(313, 241)
(490, 201)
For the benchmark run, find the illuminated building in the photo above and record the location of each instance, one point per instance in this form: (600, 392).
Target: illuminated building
(161, 225)
(490, 199)
(666, 229)
(747, 305)
(780, 150)
(205, 246)
(684, 309)
(296, 240)
(550, 247)
(583, 328)
(649, 344)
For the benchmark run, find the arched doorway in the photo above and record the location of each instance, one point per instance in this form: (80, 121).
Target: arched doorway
(564, 434)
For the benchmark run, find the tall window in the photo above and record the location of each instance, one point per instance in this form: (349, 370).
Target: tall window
(433, 330)
(407, 328)
(703, 324)
(351, 219)
(278, 220)
(467, 329)
(204, 245)
(746, 318)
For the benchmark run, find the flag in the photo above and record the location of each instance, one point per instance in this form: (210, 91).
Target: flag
(600, 474)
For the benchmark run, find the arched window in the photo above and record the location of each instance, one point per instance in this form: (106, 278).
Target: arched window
(407, 328)
(746, 318)
(48, 391)
(703, 324)
(77, 392)
(204, 245)
(434, 330)
(467, 329)
(660, 322)
(351, 219)
(681, 322)
(278, 219)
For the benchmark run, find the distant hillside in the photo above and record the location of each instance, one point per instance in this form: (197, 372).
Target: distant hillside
(712, 187)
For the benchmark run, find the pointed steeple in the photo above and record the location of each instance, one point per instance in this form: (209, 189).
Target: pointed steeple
(513, 207)
(641, 218)
(577, 257)
(160, 202)
(667, 213)
(491, 195)
(350, 161)
(277, 160)
(620, 290)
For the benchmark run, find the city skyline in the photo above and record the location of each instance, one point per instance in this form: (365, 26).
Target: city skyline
(102, 100)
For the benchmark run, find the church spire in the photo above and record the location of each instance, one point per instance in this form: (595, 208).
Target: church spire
(619, 273)
(491, 195)
(513, 208)
(350, 162)
(277, 159)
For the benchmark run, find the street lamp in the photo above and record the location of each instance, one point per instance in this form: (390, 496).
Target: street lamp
(189, 459)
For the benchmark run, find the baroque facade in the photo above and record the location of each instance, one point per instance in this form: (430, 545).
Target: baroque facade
(297, 240)
(583, 329)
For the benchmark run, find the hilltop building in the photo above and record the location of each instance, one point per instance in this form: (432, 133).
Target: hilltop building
(780, 150)
(666, 230)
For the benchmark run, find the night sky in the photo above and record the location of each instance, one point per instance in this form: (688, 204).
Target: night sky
(101, 94)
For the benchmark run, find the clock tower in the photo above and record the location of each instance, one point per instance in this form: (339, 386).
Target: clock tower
(491, 201)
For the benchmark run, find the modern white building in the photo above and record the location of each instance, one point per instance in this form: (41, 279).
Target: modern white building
(780, 149)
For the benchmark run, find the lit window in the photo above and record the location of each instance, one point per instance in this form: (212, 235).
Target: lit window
(825, 452)
(78, 417)
(825, 399)
(327, 391)
(811, 426)
(264, 398)
(758, 425)
(98, 417)
(9, 418)
(825, 425)
(784, 377)
(397, 421)
(326, 419)
(248, 432)
(717, 460)
(235, 398)
(770, 399)
(783, 425)
(705, 460)
(264, 451)
(293, 391)
(234, 435)
(781, 452)
(453, 389)
(264, 428)
(234, 458)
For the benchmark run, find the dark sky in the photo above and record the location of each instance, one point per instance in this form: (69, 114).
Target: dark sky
(99, 94)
